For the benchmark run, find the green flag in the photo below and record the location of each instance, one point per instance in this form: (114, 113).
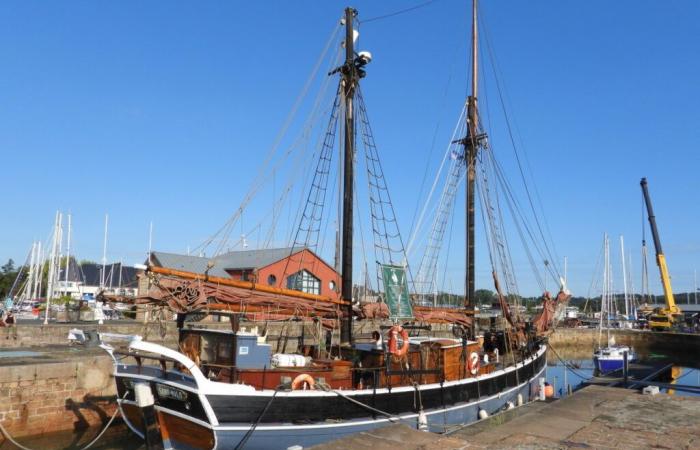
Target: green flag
(396, 291)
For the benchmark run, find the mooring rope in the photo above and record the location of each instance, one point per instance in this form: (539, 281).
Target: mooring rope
(567, 365)
(392, 418)
(90, 444)
(249, 433)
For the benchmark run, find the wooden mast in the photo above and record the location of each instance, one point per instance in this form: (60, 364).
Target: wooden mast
(471, 146)
(349, 80)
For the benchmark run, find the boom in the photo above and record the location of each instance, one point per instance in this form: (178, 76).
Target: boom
(671, 307)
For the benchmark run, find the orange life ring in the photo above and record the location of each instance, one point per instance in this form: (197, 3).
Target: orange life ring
(302, 381)
(473, 363)
(548, 390)
(393, 341)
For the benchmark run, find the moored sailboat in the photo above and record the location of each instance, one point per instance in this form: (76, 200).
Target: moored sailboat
(613, 356)
(229, 389)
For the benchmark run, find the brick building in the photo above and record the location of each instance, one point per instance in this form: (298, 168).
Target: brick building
(290, 268)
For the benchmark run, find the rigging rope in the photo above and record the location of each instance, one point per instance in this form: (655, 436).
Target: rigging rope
(398, 12)
(552, 260)
(388, 243)
(263, 174)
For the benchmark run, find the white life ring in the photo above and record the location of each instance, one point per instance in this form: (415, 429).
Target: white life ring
(473, 363)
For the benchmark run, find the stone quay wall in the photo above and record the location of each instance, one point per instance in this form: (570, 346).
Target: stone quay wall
(650, 341)
(54, 396)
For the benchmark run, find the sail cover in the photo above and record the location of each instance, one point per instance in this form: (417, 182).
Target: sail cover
(396, 291)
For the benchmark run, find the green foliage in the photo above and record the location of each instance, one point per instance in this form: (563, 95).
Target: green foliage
(8, 267)
(64, 300)
(484, 297)
(8, 274)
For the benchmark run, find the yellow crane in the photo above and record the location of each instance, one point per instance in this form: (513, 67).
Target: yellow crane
(662, 318)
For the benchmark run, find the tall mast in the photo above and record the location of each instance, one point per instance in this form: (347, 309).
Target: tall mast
(104, 255)
(150, 243)
(349, 81)
(32, 271)
(471, 142)
(65, 286)
(39, 271)
(52, 267)
(624, 277)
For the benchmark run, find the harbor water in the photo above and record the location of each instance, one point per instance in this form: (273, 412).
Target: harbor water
(573, 368)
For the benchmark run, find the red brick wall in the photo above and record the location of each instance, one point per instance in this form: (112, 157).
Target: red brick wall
(304, 259)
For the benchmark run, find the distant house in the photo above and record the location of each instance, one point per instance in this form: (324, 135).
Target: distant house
(290, 268)
(84, 280)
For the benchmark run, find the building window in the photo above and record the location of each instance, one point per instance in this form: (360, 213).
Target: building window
(304, 281)
(271, 280)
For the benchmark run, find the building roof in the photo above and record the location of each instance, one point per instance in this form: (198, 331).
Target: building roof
(90, 274)
(246, 259)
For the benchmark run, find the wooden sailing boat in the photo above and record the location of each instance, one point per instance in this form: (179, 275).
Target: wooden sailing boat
(226, 389)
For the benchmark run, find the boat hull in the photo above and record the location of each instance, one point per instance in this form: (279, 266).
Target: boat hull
(206, 417)
(282, 437)
(608, 365)
(611, 359)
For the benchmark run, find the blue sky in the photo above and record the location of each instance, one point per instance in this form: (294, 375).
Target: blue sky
(162, 111)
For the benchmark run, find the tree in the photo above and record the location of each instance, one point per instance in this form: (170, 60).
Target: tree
(8, 267)
(8, 274)
(484, 296)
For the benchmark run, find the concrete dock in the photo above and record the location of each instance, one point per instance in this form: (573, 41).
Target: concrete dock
(594, 417)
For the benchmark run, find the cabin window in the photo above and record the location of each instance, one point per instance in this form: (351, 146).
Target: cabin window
(271, 280)
(304, 281)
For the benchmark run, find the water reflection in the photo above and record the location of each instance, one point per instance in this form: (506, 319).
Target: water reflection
(118, 437)
(580, 367)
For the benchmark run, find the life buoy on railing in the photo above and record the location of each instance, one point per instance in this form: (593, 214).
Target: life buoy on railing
(393, 340)
(303, 381)
(473, 363)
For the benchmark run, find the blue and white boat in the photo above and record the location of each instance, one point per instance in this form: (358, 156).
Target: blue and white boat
(612, 358)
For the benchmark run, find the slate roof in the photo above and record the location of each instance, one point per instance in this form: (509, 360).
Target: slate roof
(89, 274)
(246, 259)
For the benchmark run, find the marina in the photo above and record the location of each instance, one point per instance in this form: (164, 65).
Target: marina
(344, 282)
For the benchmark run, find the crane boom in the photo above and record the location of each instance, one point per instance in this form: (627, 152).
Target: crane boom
(662, 318)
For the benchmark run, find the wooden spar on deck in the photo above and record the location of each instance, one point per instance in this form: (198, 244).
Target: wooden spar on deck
(244, 285)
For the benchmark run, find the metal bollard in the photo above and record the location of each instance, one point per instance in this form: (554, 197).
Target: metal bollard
(541, 391)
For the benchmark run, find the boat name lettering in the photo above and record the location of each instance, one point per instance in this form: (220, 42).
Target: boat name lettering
(171, 392)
